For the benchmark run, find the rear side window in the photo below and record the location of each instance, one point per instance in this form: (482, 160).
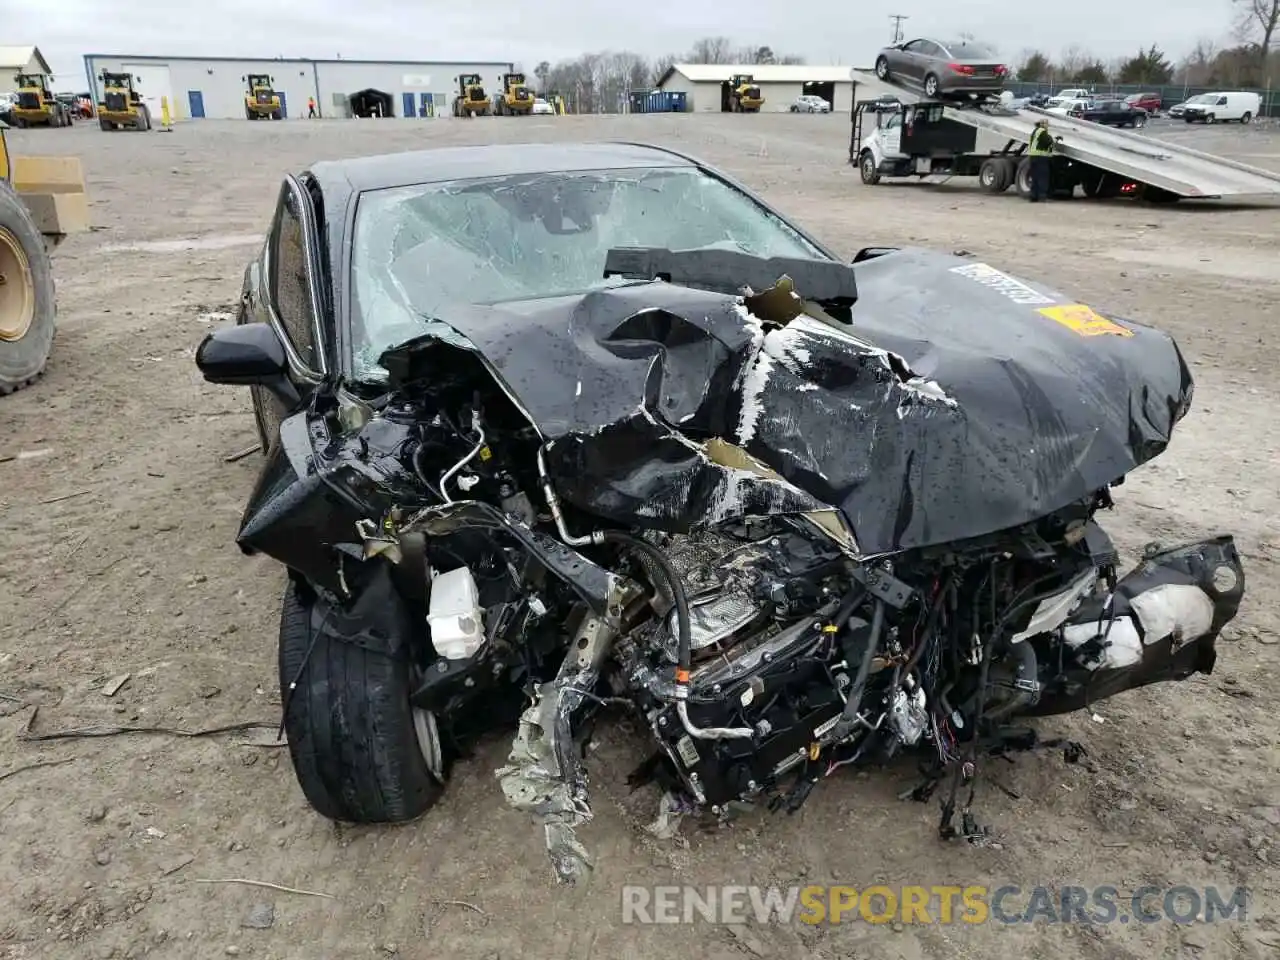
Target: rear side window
(290, 289)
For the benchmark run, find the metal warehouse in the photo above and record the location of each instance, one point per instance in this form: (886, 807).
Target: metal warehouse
(216, 87)
(706, 86)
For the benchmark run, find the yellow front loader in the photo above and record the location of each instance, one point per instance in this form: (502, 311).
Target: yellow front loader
(471, 100)
(42, 199)
(744, 94)
(36, 105)
(261, 102)
(516, 99)
(121, 105)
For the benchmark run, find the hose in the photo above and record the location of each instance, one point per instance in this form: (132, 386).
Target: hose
(850, 713)
(684, 656)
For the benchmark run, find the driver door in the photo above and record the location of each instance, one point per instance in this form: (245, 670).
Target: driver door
(287, 296)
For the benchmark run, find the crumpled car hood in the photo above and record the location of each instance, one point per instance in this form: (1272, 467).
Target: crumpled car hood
(959, 402)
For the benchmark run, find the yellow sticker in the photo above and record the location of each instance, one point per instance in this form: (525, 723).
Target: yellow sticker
(1084, 320)
(485, 453)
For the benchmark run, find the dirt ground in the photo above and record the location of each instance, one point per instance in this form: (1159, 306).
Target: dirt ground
(120, 507)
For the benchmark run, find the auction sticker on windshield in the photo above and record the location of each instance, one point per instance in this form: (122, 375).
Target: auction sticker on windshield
(1084, 320)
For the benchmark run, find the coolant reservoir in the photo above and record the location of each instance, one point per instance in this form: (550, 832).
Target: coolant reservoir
(454, 616)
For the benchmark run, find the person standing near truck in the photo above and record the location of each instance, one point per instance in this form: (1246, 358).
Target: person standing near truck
(1040, 150)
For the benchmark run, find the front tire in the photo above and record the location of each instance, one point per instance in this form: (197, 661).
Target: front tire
(355, 741)
(867, 169)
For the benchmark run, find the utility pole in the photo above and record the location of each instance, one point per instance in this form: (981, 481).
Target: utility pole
(897, 19)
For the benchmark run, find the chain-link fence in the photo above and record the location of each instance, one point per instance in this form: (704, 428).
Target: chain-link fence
(1170, 94)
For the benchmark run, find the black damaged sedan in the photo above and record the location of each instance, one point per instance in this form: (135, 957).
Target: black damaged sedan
(557, 433)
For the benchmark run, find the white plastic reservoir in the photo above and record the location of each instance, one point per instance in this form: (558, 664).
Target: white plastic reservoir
(454, 616)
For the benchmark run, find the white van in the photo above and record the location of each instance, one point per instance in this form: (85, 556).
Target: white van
(1219, 107)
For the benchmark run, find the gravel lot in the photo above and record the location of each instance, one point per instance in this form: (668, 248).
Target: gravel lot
(119, 559)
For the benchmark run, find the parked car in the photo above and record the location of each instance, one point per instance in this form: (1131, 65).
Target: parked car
(1111, 113)
(954, 68)
(515, 482)
(540, 105)
(1064, 107)
(1150, 102)
(810, 103)
(1238, 106)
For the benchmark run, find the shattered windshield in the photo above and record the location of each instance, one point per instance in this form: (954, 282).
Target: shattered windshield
(418, 249)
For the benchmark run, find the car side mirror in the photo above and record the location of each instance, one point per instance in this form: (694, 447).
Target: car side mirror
(247, 355)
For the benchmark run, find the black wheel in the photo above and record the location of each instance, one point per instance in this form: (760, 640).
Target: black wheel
(1247, 117)
(143, 122)
(360, 751)
(867, 168)
(930, 86)
(276, 115)
(1022, 177)
(882, 67)
(1210, 118)
(27, 311)
(994, 175)
(103, 124)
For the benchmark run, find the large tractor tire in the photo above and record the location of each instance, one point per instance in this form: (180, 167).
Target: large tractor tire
(27, 310)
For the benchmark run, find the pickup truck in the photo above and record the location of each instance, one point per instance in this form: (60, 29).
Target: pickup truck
(1150, 102)
(1112, 113)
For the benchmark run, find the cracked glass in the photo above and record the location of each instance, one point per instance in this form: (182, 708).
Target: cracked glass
(418, 249)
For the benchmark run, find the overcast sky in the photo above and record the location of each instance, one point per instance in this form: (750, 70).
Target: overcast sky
(825, 31)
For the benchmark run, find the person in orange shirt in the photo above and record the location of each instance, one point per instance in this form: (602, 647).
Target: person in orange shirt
(311, 107)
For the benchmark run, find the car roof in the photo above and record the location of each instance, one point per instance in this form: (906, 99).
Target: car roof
(491, 160)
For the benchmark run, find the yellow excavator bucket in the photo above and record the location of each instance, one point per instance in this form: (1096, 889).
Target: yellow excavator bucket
(52, 188)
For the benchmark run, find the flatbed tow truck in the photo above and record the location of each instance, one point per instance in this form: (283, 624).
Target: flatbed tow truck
(924, 138)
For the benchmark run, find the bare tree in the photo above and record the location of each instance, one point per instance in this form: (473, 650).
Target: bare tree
(1197, 67)
(1259, 21)
(712, 50)
(660, 67)
(1072, 61)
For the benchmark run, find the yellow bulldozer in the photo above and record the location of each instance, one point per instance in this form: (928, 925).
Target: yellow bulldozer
(42, 199)
(121, 106)
(471, 100)
(516, 98)
(744, 94)
(35, 104)
(261, 102)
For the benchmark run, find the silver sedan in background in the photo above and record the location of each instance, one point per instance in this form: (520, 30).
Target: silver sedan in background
(962, 67)
(810, 103)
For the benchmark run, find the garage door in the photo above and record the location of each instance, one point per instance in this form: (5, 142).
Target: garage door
(152, 82)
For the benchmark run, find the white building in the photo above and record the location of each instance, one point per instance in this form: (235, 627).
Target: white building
(215, 87)
(706, 86)
(16, 60)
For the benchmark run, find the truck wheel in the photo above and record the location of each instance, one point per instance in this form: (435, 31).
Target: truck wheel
(361, 752)
(1210, 118)
(1246, 117)
(867, 168)
(27, 308)
(930, 86)
(994, 175)
(103, 124)
(1139, 122)
(882, 68)
(1022, 177)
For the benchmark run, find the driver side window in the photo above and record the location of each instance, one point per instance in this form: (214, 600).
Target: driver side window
(290, 287)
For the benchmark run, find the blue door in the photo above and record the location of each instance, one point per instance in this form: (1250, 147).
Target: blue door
(428, 106)
(409, 109)
(195, 100)
(284, 105)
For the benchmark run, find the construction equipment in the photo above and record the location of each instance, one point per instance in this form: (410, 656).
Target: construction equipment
(36, 104)
(516, 98)
(121, 105)
(261, 102)
(471, 100)
(42, 199)
(744, 94)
